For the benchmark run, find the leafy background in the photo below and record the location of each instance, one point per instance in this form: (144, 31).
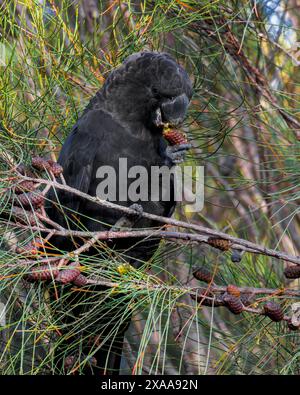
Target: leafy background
(244, 126)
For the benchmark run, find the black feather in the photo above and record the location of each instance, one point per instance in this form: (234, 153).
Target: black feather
(116, 124)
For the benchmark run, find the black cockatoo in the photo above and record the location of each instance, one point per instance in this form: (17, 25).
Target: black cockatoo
(125, 119)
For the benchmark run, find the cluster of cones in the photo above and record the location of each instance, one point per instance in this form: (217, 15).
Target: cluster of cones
(237, 301)
(27, 199)
(54, 271)
(28, 209)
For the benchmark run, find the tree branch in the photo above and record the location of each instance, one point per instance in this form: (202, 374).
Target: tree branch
(237, 242)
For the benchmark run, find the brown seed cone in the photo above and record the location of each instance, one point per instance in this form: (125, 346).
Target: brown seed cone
(43, 272)
(292, 271)
(273, 311)
(67, 276)
(233, 303)
(24, 186)
(174, 137)
(221, 244)
(23, 216)
(55, 168)
(293, 327)
(233, 290)
(202, 274)
(30, 199)
(40, 163)
(201, 299)
(80, 280)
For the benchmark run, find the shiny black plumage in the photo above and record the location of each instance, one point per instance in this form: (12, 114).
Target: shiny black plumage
(124, 120)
